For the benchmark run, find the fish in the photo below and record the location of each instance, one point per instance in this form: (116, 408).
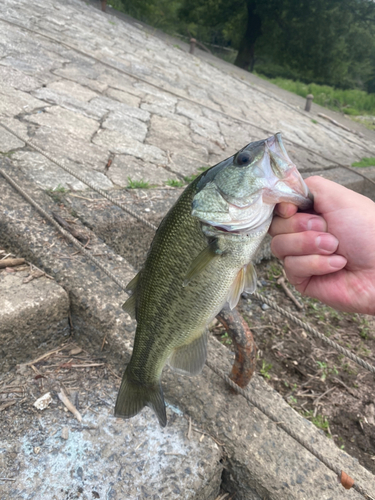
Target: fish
(199, 260)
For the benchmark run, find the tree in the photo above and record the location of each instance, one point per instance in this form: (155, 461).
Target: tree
(322, 41)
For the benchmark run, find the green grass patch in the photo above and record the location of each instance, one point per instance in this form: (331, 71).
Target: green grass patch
(351, 102)
(364, 162)
(175, 183)
(265, 369)
(319, 421)
(225, 339)
(57, 193)
(138, 184)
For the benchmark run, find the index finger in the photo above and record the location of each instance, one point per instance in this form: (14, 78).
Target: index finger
(297, 223)
(285, 210)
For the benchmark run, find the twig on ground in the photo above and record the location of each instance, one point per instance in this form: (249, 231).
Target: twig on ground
(66, 401)
(281, 281)
(346, 387)
(207, 434)
(104, 341)
(322, 395)
(46, 355)
(11, 263)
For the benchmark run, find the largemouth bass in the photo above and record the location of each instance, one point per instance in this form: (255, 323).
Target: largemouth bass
(199, 259)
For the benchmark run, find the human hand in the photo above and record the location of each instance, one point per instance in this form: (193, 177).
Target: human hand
(329, 254)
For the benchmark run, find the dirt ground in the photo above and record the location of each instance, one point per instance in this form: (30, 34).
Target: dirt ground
(325, 387)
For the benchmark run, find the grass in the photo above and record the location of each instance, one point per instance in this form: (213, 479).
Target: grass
(319, 421)
(351, 102)
(365, 162)
(326, 370)
(265, 369)
(175, 183)
(225, 339)
(56, 193)
(138, 184)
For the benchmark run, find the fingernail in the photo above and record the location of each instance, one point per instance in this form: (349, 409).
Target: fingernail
(315, 224)
(337, 261)
(327, 242)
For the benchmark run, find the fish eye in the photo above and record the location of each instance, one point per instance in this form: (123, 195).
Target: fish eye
(243, 158)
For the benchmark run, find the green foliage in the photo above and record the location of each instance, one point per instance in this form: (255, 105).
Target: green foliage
(175, 183)
(326, 370)
(225, 339)
(329, 42)
(265, 369)
(364, 328)
(364, 162)
(138, 184)
(319, 421)
(162, 14)
(56, 193)
(353, 101)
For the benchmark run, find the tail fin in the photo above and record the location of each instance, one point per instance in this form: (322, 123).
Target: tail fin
(133, 396)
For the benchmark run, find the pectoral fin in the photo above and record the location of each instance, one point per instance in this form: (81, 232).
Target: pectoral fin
(203, 259)
(246, 280)
(190, 358)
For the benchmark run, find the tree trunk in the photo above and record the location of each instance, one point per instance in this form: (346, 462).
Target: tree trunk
(245, 56)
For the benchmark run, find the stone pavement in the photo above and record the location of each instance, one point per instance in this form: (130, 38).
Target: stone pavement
(55, 91)
(120, 105)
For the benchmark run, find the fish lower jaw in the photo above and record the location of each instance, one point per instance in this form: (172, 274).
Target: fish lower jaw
(243, 230)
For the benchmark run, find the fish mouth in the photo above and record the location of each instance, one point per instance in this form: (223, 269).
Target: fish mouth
(291, 188)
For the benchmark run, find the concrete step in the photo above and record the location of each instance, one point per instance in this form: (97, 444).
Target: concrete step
(33, 315)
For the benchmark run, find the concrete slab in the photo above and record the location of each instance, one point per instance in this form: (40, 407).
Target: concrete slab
(109, 458)
(33, 316)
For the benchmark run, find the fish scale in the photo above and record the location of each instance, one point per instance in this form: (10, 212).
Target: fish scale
(199, 259)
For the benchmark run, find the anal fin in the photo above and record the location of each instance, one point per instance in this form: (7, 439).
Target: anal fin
(190, 358)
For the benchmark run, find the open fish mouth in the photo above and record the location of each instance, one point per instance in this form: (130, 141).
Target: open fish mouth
(240, 193)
